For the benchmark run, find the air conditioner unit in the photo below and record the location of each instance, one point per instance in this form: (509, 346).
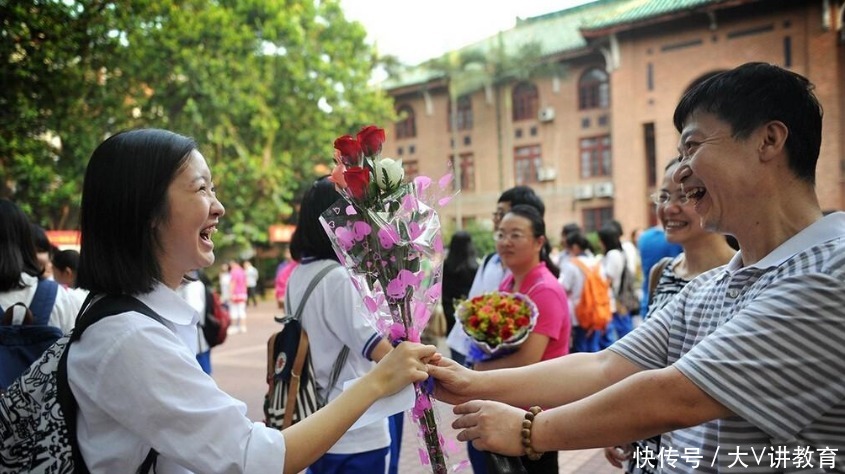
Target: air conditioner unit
(546, 114)
(604, 189)
(584, 191)
(546, 174)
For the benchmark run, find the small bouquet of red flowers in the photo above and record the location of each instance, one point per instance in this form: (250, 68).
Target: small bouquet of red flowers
(497, 322)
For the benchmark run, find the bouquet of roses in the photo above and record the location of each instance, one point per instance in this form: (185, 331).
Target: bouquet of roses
(387, 234)
(497, 322)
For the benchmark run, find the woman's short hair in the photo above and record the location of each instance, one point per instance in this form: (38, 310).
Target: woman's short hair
(17, 247)
(310, 239)
(124, 197)
(538, 228)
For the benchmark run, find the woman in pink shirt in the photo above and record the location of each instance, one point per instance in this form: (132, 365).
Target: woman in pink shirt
(521, 243)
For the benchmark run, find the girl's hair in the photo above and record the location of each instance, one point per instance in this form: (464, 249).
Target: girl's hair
(609, 237)
(538, 228)
(124, 198)
(17, 247)
(461, 253)
(577, 238)
(66, 259)
(310, 239)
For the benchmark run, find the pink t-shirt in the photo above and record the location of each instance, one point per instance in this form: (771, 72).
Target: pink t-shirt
(237, 286)
(282, 278)
(553, 319)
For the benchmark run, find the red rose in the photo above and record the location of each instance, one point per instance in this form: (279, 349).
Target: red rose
(350, 150)
(357, 180)
(371, 139)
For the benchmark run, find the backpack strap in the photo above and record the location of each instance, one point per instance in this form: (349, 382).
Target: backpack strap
(43, 301)
(654, 276)
(487, 259)
(91, 313)
(302, 349)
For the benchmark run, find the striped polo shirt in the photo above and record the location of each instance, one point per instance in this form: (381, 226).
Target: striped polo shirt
(768, 342)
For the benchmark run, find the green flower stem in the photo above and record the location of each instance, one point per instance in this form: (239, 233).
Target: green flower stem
(428, 421)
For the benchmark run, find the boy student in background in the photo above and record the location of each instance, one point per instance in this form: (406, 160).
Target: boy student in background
(748, 357)
(149, 210)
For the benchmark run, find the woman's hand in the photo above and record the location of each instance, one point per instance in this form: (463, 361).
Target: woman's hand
(405, 364)
(618, 455)
(491, 426)
(452, 381)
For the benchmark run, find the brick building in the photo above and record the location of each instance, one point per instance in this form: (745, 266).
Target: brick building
(578, 103)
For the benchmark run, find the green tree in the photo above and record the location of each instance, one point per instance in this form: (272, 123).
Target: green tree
(263, 85)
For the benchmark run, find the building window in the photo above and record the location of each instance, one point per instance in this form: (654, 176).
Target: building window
(527, 162)
(467, 172)
(526, 101)
(464, 117)
(649, 79)
(593, 90)
(595, 218)
(650, 154)
(406, 127)
(595, 156)
(412, 169)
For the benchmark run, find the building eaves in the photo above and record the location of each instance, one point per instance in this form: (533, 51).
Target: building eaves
(552, 35)
(626, 15)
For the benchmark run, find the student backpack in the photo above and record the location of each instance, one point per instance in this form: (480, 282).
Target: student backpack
(25, 332)
(38, 411)
(215, 327)
(292, 386)
(593, 309)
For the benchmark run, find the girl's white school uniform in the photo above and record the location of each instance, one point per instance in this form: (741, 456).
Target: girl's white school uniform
(138, 384)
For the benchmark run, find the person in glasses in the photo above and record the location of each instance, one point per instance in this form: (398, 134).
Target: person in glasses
(521, 243)
(747, 358)
(702, 251)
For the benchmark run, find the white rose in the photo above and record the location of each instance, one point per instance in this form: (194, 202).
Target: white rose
(389, 173)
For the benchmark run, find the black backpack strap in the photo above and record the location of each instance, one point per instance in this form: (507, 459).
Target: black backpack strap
(92, 313)
(487, 259)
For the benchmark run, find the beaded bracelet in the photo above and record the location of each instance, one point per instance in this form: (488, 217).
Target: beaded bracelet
(526, 433)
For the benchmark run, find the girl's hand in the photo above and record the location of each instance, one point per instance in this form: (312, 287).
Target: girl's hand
(405, 364)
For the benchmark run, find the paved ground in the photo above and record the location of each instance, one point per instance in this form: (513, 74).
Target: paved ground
(239, 368)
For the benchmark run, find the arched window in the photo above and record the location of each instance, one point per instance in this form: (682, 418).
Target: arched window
(525, 101)
(464, 116)
(593, 90)
(406, 126)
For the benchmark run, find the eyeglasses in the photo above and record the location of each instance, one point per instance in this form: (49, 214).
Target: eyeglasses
(512, 237)
(663, 198)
